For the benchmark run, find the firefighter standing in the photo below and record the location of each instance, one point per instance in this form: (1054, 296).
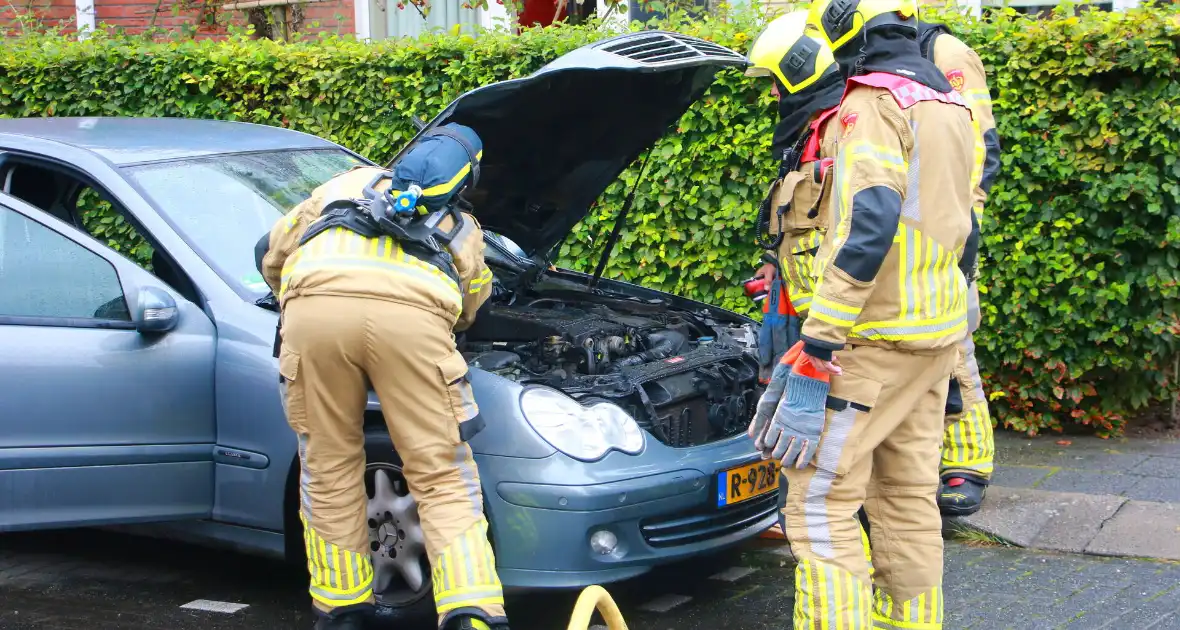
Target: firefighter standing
(808, 85)
(968, 446)
(887, 315)
(370, 293)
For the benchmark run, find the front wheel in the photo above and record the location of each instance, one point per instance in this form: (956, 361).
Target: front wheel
(401, 567)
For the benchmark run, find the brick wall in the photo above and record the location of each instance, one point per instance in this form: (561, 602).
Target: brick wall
(336, 16)
(31, 14)
(135, 16)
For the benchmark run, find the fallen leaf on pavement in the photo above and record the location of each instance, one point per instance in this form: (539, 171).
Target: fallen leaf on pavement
(1064, 442)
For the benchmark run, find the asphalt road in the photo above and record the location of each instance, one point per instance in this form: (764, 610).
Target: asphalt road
(100, 580)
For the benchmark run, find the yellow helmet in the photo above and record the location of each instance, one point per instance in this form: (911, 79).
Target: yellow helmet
(839, 21)
(792, 52)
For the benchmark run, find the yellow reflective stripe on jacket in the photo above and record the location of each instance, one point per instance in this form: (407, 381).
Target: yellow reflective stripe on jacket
(799, 270)
(978, 155)
(478, 283)
(442, 189)
(339, 248)
(291, 219)
(931, 285)
(978, 98)
(906, 330)
(834, 313)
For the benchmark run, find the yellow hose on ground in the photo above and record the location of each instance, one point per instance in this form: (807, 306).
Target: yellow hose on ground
(596, 598)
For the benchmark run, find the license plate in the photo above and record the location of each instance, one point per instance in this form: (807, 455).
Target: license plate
(746, 482)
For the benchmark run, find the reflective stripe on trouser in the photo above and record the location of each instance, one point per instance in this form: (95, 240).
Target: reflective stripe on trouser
(968, 443)
(332, 347)
(465, 573)
(879, 449)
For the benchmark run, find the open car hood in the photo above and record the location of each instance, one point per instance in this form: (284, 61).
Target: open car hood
(555, 140)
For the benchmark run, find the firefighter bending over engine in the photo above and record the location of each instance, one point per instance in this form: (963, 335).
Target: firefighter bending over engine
(373, 273)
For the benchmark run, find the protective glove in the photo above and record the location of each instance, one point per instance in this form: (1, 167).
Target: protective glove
(770, 398)
(772, 336)
(794, 431)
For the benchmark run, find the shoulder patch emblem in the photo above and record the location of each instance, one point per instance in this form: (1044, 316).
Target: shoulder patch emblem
(957, 79)
(849, 122)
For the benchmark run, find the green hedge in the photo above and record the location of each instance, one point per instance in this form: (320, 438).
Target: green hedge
(1080, 254)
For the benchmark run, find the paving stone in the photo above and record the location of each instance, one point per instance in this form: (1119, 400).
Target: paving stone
(1068, 520)
(1163, 448)
(1155, 489)
(1080, 481)
(1108, 460)
(1020, 476)
(1143, 529)
(1078, 521)
(1143, 608)
(1056, 458)
(1166, 467)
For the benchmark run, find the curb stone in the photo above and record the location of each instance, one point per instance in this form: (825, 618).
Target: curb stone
(1093, 524)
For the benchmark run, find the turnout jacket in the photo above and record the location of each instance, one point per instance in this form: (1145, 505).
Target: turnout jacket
(892, 269)
(805, 221)
(964, 70)
(339, 261)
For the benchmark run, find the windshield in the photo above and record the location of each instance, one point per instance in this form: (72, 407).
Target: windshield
(222, 205)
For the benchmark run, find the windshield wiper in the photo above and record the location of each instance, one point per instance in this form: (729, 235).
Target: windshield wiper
(618, 228)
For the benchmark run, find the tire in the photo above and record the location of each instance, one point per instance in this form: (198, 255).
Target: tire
(397, 605)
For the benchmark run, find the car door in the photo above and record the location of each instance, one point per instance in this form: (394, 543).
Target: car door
(106, 384)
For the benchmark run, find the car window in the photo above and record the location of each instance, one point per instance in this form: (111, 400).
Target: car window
(45, 275)
(40, 187)
(222, 205)
(108, 225)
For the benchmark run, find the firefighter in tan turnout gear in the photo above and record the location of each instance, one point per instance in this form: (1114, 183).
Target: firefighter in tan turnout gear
(968, 447)
(808, 85)
(888, 314)
(373, 273)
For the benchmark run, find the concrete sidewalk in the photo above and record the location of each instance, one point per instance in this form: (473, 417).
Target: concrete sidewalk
(1118, 497)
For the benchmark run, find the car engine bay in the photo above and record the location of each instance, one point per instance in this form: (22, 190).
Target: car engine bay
(685, 377)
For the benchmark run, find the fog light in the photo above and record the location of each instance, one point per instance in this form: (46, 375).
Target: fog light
(603, 542)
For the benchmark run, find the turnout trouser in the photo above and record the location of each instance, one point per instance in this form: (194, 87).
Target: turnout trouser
(332, 348)
(968, 444)
(880, 449)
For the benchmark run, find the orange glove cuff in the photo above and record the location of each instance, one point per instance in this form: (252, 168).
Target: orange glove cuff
(805, 367)
(790, 356)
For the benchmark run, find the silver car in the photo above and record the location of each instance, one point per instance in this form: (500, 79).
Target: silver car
(139, 387)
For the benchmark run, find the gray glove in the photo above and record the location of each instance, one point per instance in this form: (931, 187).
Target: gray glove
(768, 403)
(794, 432)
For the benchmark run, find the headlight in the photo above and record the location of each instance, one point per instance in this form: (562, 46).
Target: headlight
(586, 433)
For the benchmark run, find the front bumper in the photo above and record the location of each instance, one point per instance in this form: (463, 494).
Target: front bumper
(543, 513)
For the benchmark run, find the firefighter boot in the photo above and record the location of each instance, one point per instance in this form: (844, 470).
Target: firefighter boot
(466, 622)
(961, 494)
(343, 618)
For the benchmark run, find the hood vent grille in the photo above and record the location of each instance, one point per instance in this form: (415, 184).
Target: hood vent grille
(658, 48)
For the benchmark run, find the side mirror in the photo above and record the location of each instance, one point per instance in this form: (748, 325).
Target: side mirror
(155, 311)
